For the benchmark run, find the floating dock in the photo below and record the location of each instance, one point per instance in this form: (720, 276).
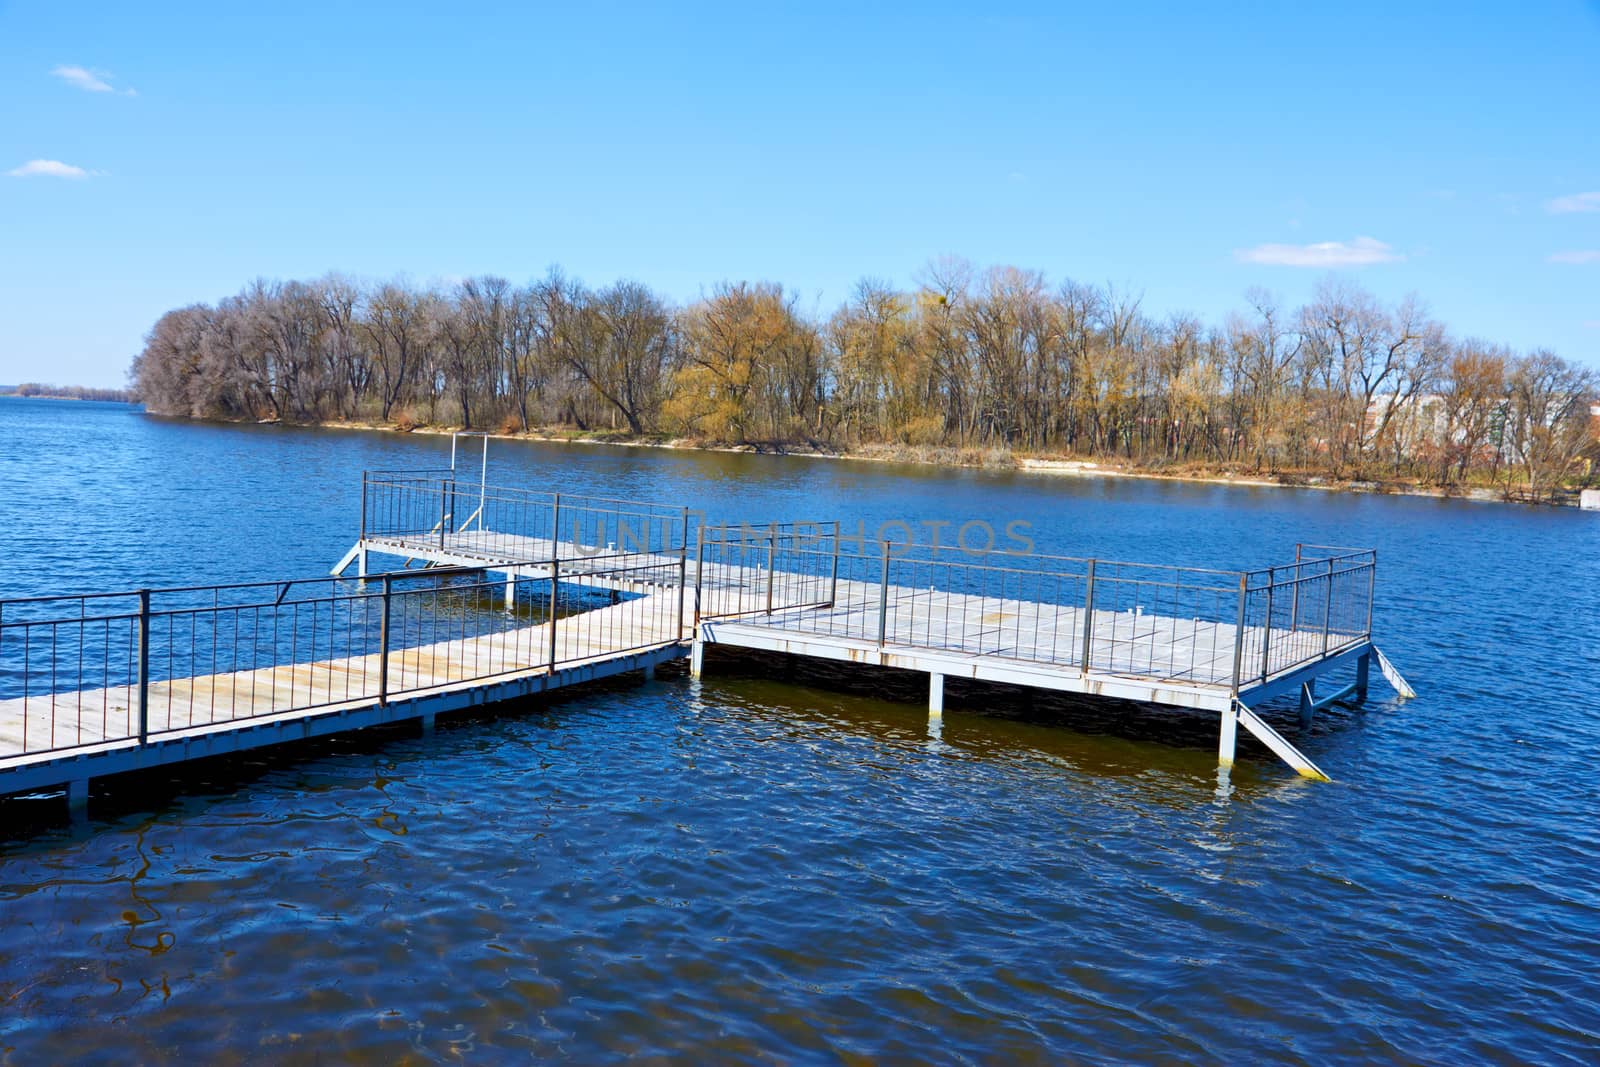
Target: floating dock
(529, 592)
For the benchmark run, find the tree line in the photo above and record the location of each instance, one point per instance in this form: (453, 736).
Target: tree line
(66, 392)
(998, 360)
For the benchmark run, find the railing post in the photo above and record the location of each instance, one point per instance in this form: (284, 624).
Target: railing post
(1266, 640)
(383, 641)
(772, 560)
(1372, 578)
(144, 666)
(1327, 609)
(683, 569)
(699, 571)
(444, 511)
(1238, 634)
(833, 577)
(883, 600)
(555, 523)
(1294, 603)
(555, 593)
(1088, 617)
(363, 505)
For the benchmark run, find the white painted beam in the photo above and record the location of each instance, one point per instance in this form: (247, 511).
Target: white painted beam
(1279, 746)
(1392, 676)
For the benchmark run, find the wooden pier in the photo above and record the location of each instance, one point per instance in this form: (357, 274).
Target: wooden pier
(530, 592)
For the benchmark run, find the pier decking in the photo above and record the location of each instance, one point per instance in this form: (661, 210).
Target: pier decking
(530, 592)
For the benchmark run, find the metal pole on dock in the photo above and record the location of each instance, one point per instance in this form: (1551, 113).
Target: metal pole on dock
(363, 505)
(833, 578)
(383, 642)
(683, 570)
(1238, 634)
(1327, 609)
(444, 510)
(1088, 616)
(144, 666)
(772, 558)
(555, 592)
(1266, 638)
(1294, 603)
(699, 572)
(483, 481)
(555, 524)
(1372, 578)
(883, 599)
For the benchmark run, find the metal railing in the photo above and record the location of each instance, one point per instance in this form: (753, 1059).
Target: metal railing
(1212, 627)
(430, 510)
(1297, 613)
(86, 670)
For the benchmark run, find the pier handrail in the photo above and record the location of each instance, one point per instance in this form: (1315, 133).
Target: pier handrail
(138, 675)
(1261, 623)
(410, 508)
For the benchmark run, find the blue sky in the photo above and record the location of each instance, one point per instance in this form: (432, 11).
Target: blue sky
(1450, 150)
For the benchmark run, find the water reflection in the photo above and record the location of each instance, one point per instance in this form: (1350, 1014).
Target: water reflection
(816, 871)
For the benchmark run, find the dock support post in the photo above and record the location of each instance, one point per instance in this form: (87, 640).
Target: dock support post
(427, 723)
(1229, 739)
(935, 695)
(649, 672)
(1363, 674)
(1308, 703)
(697, 657)
(78, 799)
(511, 591)
(357, 555)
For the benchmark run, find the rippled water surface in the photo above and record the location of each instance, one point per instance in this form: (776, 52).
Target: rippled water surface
(777, 870)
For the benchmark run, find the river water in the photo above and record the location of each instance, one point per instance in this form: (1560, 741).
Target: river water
(765, 871)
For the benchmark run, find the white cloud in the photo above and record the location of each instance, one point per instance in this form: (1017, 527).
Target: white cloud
(90, 81)
(1362, 252)
(1577, 202)
(47, 168)
(1585, 255)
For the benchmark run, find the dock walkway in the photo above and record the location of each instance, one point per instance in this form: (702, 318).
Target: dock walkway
(532, 592)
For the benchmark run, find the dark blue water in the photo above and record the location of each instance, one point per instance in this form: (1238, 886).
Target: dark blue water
(749, 870)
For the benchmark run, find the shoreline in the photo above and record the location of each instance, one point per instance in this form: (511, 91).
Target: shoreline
(951, 458)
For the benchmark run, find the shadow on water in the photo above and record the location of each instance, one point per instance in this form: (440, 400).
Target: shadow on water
(1171, 749)
(126, 801)
(1092, 737)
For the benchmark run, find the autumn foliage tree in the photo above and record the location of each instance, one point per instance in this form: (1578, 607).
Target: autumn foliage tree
(998, 360)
